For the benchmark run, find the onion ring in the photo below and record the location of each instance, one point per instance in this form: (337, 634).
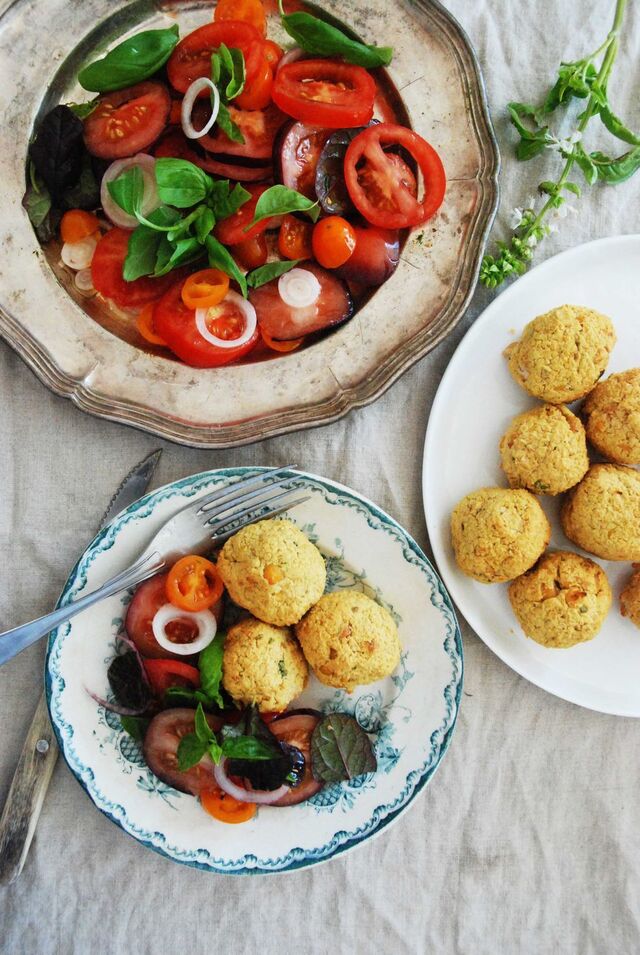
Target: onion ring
(150, 199)
(202, 83)
(299, 288)
(250, 317)
(204, 620)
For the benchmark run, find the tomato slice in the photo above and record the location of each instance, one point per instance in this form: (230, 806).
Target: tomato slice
(225, 808)
(377, 181)
(128, 121)
(106, 274)
(177, 325)
(194, 584)
(294, 238)
(231, 231)
(165, 673)
(161, 750)
(258, 94)
(191, 58)
(249, 11)
(296, 730)
(205, 288)
(252, 253)
(175, 145)
(145, 603)
(325, 93)
(259, 128)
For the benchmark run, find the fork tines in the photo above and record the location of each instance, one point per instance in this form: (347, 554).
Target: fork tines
(224, 497)
(225, 527)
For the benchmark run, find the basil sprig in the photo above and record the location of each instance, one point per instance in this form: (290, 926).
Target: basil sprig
(204, 741)
(322, 39)
(279, 201)
(229, 74)
(131, 61)
(170, 236)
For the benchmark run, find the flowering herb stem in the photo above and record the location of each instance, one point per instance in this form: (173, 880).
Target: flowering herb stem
(579, 79)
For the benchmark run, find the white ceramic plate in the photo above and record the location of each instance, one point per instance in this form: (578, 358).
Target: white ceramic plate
(412, 713)
(476, 400)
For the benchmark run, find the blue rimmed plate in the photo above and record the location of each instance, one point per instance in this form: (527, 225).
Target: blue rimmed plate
(412, 713)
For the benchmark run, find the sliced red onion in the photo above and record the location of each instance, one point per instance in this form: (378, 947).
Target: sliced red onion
(203, 83)
(262, 797)
(78, 255)
(204, 620)
(114, 707)
(83, 281)
(299, 288)
(294, 54)
(150, 200)
(250, 322)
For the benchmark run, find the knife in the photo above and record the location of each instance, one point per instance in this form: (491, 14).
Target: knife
(40, 752)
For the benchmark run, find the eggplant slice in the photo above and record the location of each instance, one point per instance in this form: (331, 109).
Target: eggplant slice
(282, 322)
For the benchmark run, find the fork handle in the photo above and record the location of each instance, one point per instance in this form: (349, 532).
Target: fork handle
(14, 641)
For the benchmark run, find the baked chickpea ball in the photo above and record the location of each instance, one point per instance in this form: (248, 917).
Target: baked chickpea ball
(561, 601)
(602, 514)
(562, 353)
(630, 598)
(498, 533)
(349, 640)
(264, 665)
(612, 417)
(545, 450)
(273, 570)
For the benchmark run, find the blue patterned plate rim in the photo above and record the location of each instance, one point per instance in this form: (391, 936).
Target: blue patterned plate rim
(342, 841)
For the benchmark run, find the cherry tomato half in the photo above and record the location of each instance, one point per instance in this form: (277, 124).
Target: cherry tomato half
(177, 325)
(294, 238)
(273, 53)
(205, 288)
(252, 253)
(257, 94)
(76, 224)
(333, 241)
(194, 584)
(106, 274)
(191, 58)
(126, 122)
(249, 11)
(165, 673)
(378, 183)
(225, 808)
(325, 93)
(146, 327)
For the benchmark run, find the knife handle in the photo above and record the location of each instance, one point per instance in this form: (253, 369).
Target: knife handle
(26, 795)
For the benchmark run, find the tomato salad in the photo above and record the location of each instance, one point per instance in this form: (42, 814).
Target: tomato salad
(167, 689)
(228, 195)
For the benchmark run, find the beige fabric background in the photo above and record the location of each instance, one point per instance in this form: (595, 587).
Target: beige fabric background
(528, 838)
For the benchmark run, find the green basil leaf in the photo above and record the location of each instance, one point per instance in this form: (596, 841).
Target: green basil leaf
(532, 141)
(203, 730)
(227, 125)
(162, 219)
(585, 163)
(322, 39)
(135, 726)
(182, 695)
(127, 190)
(172, 254)
(37, 202)
(617, 127)
(215, 750)
(272, 270)
(82, 110)
(278, 201)
(246, 747)
(142, 252)
(210, 666)
(548, 187)
(204, 224)
(340, 749)
(617, 170)
(574, 188)
(133, 60)
(183, 226)
(220, 258)
(225, 202)
(190, 752)
(180, 183)
(228, 71)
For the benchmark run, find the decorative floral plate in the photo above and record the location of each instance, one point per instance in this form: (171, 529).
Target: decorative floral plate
(85, 351)
(411, 714)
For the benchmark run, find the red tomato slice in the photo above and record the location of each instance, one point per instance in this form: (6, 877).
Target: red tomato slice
(147, 600)
(325, 93)
(165, 673)
(175, 145)
(377, 181)
(161, 750)
(128, 121)
(177, 325)
(191, 58)
(106, 274)
(284, 323)
(259, 128)
(231, 231)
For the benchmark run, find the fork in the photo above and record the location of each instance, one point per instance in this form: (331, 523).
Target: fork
(206, 522)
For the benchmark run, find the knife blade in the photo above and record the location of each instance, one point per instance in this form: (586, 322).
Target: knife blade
(40, 752)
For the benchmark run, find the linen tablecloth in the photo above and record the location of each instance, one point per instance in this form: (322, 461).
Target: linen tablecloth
(526, 840)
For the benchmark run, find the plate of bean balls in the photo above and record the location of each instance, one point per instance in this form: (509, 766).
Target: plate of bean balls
(531, 482)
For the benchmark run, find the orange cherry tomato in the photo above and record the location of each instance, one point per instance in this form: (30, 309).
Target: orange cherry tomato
(225, 808)
(333, 241)
(76, 224)
(275, 345)
(273, 53)
(257, 94)
(294, 238)
(146, 327)
(205, 289)
(252, 253)
(194, 584)
(249, 11)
